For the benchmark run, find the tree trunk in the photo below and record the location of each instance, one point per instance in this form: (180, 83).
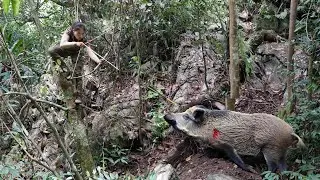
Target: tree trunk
(234, 58)
(310, 67)
(72, 90)
(290, 67)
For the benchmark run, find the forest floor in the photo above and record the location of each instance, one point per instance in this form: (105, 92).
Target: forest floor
(197, 166)
(200, 164)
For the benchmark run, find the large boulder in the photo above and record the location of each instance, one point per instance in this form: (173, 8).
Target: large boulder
(118, 121)
(165, 172)
(271, 65)
(200, 72)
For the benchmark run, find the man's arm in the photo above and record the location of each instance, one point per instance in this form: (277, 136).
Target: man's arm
(92, 55)
(64, 40)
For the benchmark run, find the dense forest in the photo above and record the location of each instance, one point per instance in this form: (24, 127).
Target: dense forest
(98, 112)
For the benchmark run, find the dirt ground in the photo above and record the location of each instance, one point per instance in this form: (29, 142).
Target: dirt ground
(197, 165)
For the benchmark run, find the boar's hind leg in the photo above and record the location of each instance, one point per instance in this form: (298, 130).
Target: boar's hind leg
(233, 155)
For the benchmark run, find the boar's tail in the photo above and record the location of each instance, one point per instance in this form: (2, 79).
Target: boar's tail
(297, 141)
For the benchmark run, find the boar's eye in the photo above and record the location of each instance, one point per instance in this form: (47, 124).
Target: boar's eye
(188, 117)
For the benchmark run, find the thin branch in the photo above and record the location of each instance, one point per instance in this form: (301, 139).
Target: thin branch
(12, 113)
(89, 41)
(75, 65)
(23, 108)
(84, 106)
(30, 19)
(120, 34)
(4, 44)
(27, 153)
(52, 104)
(88, 73)
(103, 58)
(34, 99)
(161, 94)
(94, 69)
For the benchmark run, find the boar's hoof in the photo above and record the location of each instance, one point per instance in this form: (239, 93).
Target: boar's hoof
(250, 168)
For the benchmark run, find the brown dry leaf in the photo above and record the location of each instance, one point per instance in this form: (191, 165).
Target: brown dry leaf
(188, 158)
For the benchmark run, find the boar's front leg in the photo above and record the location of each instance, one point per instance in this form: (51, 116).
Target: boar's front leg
(275, 158)
(282, 164)
(233, 155)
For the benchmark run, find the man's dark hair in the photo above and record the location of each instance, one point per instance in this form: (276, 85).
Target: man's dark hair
(78, 25)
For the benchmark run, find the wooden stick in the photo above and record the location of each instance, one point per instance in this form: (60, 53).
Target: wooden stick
(102, 58)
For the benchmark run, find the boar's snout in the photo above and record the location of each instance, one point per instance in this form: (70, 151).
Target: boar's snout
(170, 119)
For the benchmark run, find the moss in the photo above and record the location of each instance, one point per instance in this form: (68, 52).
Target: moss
(83, 148)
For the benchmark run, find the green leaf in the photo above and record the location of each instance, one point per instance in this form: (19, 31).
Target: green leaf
(283, 14)
(15, 6)
(44, 90)
(3, 29)
(5, 89)
(5, 5)
(43, 175)
(110, 160)
(16, 44)
(4, 171)
(5, 76)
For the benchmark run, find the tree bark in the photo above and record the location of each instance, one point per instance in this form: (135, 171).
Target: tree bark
(234, 58)
(72, 90)
(290, 67)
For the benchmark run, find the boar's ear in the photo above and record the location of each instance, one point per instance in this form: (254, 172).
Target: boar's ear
(198, 115)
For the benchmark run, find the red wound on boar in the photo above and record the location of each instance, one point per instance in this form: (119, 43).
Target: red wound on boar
(215, 133)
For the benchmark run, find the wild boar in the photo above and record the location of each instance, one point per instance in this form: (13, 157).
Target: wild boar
(239, 133)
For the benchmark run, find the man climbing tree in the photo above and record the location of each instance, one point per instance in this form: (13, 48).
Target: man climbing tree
(71, 43)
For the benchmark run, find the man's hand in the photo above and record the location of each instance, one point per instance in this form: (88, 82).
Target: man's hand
(80, 44)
